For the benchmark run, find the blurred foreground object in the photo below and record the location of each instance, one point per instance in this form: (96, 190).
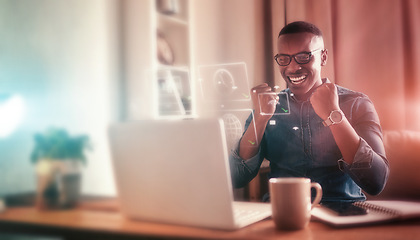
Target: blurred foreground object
(2, 205)
(12, 108)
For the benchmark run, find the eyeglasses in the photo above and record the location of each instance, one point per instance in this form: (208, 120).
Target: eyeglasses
(300, 58)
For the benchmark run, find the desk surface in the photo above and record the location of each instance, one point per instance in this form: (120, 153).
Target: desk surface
(103, 221)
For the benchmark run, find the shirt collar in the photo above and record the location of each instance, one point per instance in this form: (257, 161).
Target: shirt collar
(324, 80)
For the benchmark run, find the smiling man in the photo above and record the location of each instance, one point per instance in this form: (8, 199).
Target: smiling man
(331, 135)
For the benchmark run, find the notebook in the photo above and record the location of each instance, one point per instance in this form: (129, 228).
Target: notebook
(378, 212)
(177, 172)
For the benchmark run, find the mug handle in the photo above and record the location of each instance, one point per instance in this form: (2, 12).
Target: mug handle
(318, 196)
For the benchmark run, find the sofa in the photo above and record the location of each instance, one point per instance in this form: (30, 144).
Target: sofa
(403, 153)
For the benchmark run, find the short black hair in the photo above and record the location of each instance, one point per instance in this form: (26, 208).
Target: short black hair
(300, 27)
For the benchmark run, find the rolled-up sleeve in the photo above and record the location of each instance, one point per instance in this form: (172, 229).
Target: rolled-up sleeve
(243, 171)
(370, 168)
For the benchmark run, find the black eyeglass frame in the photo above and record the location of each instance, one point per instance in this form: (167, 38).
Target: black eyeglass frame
(294, 57)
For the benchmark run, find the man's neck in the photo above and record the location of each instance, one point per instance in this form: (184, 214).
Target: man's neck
(305, 97)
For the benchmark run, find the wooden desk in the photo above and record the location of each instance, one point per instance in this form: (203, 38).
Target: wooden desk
(95, 222)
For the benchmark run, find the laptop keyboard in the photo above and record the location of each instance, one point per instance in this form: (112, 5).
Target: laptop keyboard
(242, 214)
(250, 212)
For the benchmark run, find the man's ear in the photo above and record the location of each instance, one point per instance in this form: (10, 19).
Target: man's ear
(324, 57)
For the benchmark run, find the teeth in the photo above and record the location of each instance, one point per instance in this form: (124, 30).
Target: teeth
(297, 80)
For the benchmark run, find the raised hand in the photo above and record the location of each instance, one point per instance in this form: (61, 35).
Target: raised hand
(324, 100)
(264, 101)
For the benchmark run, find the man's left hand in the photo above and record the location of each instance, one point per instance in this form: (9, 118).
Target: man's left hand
(324, 100)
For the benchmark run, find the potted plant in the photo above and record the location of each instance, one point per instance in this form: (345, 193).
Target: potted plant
(58, 158)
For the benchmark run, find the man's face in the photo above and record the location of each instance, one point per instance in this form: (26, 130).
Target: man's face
(302, 79)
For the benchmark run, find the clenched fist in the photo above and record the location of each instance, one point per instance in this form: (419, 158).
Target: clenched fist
(324, 100)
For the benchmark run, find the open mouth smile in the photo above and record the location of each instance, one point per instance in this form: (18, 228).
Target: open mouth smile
(296, 80)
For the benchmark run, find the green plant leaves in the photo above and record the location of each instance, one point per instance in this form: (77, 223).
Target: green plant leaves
(57, 144)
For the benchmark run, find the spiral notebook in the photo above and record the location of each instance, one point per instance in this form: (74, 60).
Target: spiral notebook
(378, 212)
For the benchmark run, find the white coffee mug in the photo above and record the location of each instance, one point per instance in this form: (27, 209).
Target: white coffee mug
(291, 201)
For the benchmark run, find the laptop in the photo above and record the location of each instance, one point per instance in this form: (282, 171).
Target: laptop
(177, 172)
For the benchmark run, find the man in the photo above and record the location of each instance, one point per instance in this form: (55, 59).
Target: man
(332, 134)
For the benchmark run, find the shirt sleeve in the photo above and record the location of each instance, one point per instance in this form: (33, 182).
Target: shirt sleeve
(370, 168)
(244, 170)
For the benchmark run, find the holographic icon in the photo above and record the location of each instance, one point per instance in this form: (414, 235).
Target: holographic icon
(234, 125)
(282, 105)
(233, 129)
(276, 89)
(173, 90)
(272, 102)
(224, 81)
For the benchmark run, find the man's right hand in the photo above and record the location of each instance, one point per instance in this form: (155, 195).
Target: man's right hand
(264, 101)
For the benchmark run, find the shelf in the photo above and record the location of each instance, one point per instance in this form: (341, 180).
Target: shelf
(174, 10)
(177, 37)
(169, 19)
(160, 61)
(173, 68)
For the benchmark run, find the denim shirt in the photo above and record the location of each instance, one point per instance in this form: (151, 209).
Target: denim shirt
(299, 145)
